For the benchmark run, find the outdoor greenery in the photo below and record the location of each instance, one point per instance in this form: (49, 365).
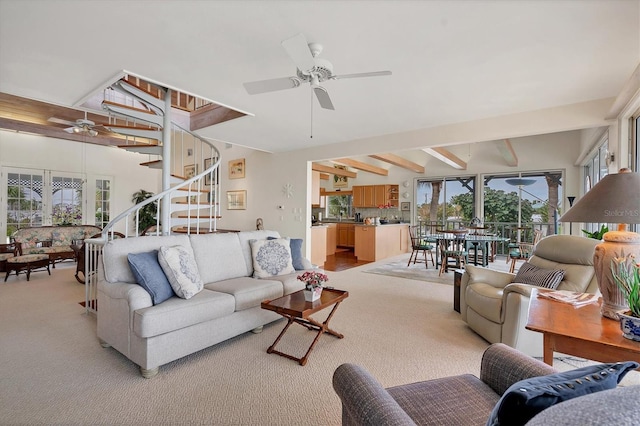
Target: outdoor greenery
(339, 204)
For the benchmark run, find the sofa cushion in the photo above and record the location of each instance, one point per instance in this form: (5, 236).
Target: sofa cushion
(245, 237)
(181, 270)
(114, 255)
(531, 274)
(290, 282)
(271, 257)
(219, 256)
(150, 276)
(297, 259)
(526, 398)
(176, 313)
(248, 292)
(486, 300)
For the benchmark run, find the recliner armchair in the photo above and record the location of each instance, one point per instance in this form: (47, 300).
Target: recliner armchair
(496, 307)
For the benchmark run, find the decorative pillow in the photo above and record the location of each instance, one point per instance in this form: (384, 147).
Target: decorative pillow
(181, 270)
(526, 398)
(271, 257)
(150, 276)
(531, 274)
(295, 244)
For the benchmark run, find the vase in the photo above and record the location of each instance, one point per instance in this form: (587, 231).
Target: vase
(630, 326)
(312, 295)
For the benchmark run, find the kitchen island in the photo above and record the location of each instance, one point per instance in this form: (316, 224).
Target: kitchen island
(376, 242)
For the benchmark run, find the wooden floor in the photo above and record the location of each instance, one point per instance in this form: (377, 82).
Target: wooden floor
(343, 259)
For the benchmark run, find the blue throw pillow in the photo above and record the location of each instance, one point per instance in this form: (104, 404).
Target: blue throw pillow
(150, 276)
(296, 252)
(526, 398)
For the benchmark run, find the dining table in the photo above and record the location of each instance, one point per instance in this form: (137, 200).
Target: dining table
(471, 240)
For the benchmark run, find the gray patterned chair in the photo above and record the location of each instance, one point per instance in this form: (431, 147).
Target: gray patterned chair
(468, 400)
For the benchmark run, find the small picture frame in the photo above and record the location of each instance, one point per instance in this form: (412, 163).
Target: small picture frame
(236, 169)
(207, 163)
(190, 171)
(237, 200)
(405, 206)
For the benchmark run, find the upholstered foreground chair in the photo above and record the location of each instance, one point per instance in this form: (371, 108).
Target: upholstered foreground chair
(469, 400)
(496, 307)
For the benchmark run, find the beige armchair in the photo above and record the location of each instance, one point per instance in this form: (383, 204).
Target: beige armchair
(496, 307)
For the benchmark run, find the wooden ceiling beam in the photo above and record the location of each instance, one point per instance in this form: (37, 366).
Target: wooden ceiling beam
(507, 152)
(399, 161)
(446, 157)
(54, 132)
(362, 166)
(324, 176)
(333, 170)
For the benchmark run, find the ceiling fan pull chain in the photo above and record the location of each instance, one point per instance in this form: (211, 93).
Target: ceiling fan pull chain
(311, 97)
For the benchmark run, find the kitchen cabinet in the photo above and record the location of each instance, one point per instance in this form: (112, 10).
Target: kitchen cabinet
(332, 235)
(346, 234)
(375, 195)
(379, 242)
(318, 245)
(315, 188)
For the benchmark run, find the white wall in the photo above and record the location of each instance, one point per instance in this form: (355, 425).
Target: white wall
(41, 153)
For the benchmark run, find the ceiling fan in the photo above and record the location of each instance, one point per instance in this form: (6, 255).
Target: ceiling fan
(310, 69)
(81, 125)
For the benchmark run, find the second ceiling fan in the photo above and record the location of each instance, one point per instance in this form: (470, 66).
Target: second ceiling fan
(310, 69)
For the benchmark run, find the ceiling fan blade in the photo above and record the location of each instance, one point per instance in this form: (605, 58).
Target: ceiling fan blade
(323, 97)
(362, 74)
(61, 121)
(263, 86)
(298, 49)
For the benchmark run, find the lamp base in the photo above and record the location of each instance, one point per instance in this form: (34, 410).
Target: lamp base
(616, 244)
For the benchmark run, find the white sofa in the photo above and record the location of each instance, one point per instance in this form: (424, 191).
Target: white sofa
(496, 307)
(229, 305)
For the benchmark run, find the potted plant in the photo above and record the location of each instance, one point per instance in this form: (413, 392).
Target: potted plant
(597, 235)
(147, 214)
(626, 274)
(312, 284)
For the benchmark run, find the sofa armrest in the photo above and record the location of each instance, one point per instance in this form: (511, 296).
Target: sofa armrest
(523, 289)
(503, 366)
(364, 400)
(136, 296)
(492, 277)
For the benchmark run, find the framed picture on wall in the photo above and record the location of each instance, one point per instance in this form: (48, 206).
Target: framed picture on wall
(405, 206)
(237, 200)
(236, 169)
(190, 171)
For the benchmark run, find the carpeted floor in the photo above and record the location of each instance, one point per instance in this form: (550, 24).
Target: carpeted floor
(53, 371)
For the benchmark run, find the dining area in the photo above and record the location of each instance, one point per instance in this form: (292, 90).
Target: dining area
(449, 248)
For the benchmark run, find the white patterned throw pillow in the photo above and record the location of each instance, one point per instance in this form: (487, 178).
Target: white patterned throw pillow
(271, 257)
(181, 270)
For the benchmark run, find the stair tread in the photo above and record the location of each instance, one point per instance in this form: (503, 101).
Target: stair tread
(139, 145)
(142, 110)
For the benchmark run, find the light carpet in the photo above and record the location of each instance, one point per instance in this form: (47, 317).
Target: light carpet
(54, 371)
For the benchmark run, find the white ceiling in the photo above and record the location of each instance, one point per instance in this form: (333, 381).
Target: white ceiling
(452, 61)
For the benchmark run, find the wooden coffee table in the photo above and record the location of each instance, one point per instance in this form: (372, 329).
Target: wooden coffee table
(296, 309)
(581, 331)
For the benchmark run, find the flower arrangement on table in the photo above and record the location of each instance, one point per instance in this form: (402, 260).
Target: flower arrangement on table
(313, 279)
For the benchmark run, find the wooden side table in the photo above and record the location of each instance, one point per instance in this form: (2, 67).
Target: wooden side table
(581, 331)
(296, 309)
(457, 279)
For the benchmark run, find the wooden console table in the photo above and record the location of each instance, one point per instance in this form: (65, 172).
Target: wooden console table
(581, 331)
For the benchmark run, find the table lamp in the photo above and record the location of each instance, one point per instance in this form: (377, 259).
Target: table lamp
(614, 199)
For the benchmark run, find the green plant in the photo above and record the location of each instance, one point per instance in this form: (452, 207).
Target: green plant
(626, 274)
(147, 214)
(597, 235)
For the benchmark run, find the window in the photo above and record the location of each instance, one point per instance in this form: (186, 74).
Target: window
(24, 200)
(594, 171)
(448, 200)
(66, 200)
(103, 198)
(339, 206)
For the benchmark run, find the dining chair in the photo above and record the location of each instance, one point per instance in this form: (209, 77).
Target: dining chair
(524, 250)
(420, 246)
(453, 251)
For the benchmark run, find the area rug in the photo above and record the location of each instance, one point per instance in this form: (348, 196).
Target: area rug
(398, 268)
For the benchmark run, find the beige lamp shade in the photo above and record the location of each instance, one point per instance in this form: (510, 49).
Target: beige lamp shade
(615, 199)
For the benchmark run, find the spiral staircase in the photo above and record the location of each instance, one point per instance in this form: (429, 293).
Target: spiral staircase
(187, 204)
